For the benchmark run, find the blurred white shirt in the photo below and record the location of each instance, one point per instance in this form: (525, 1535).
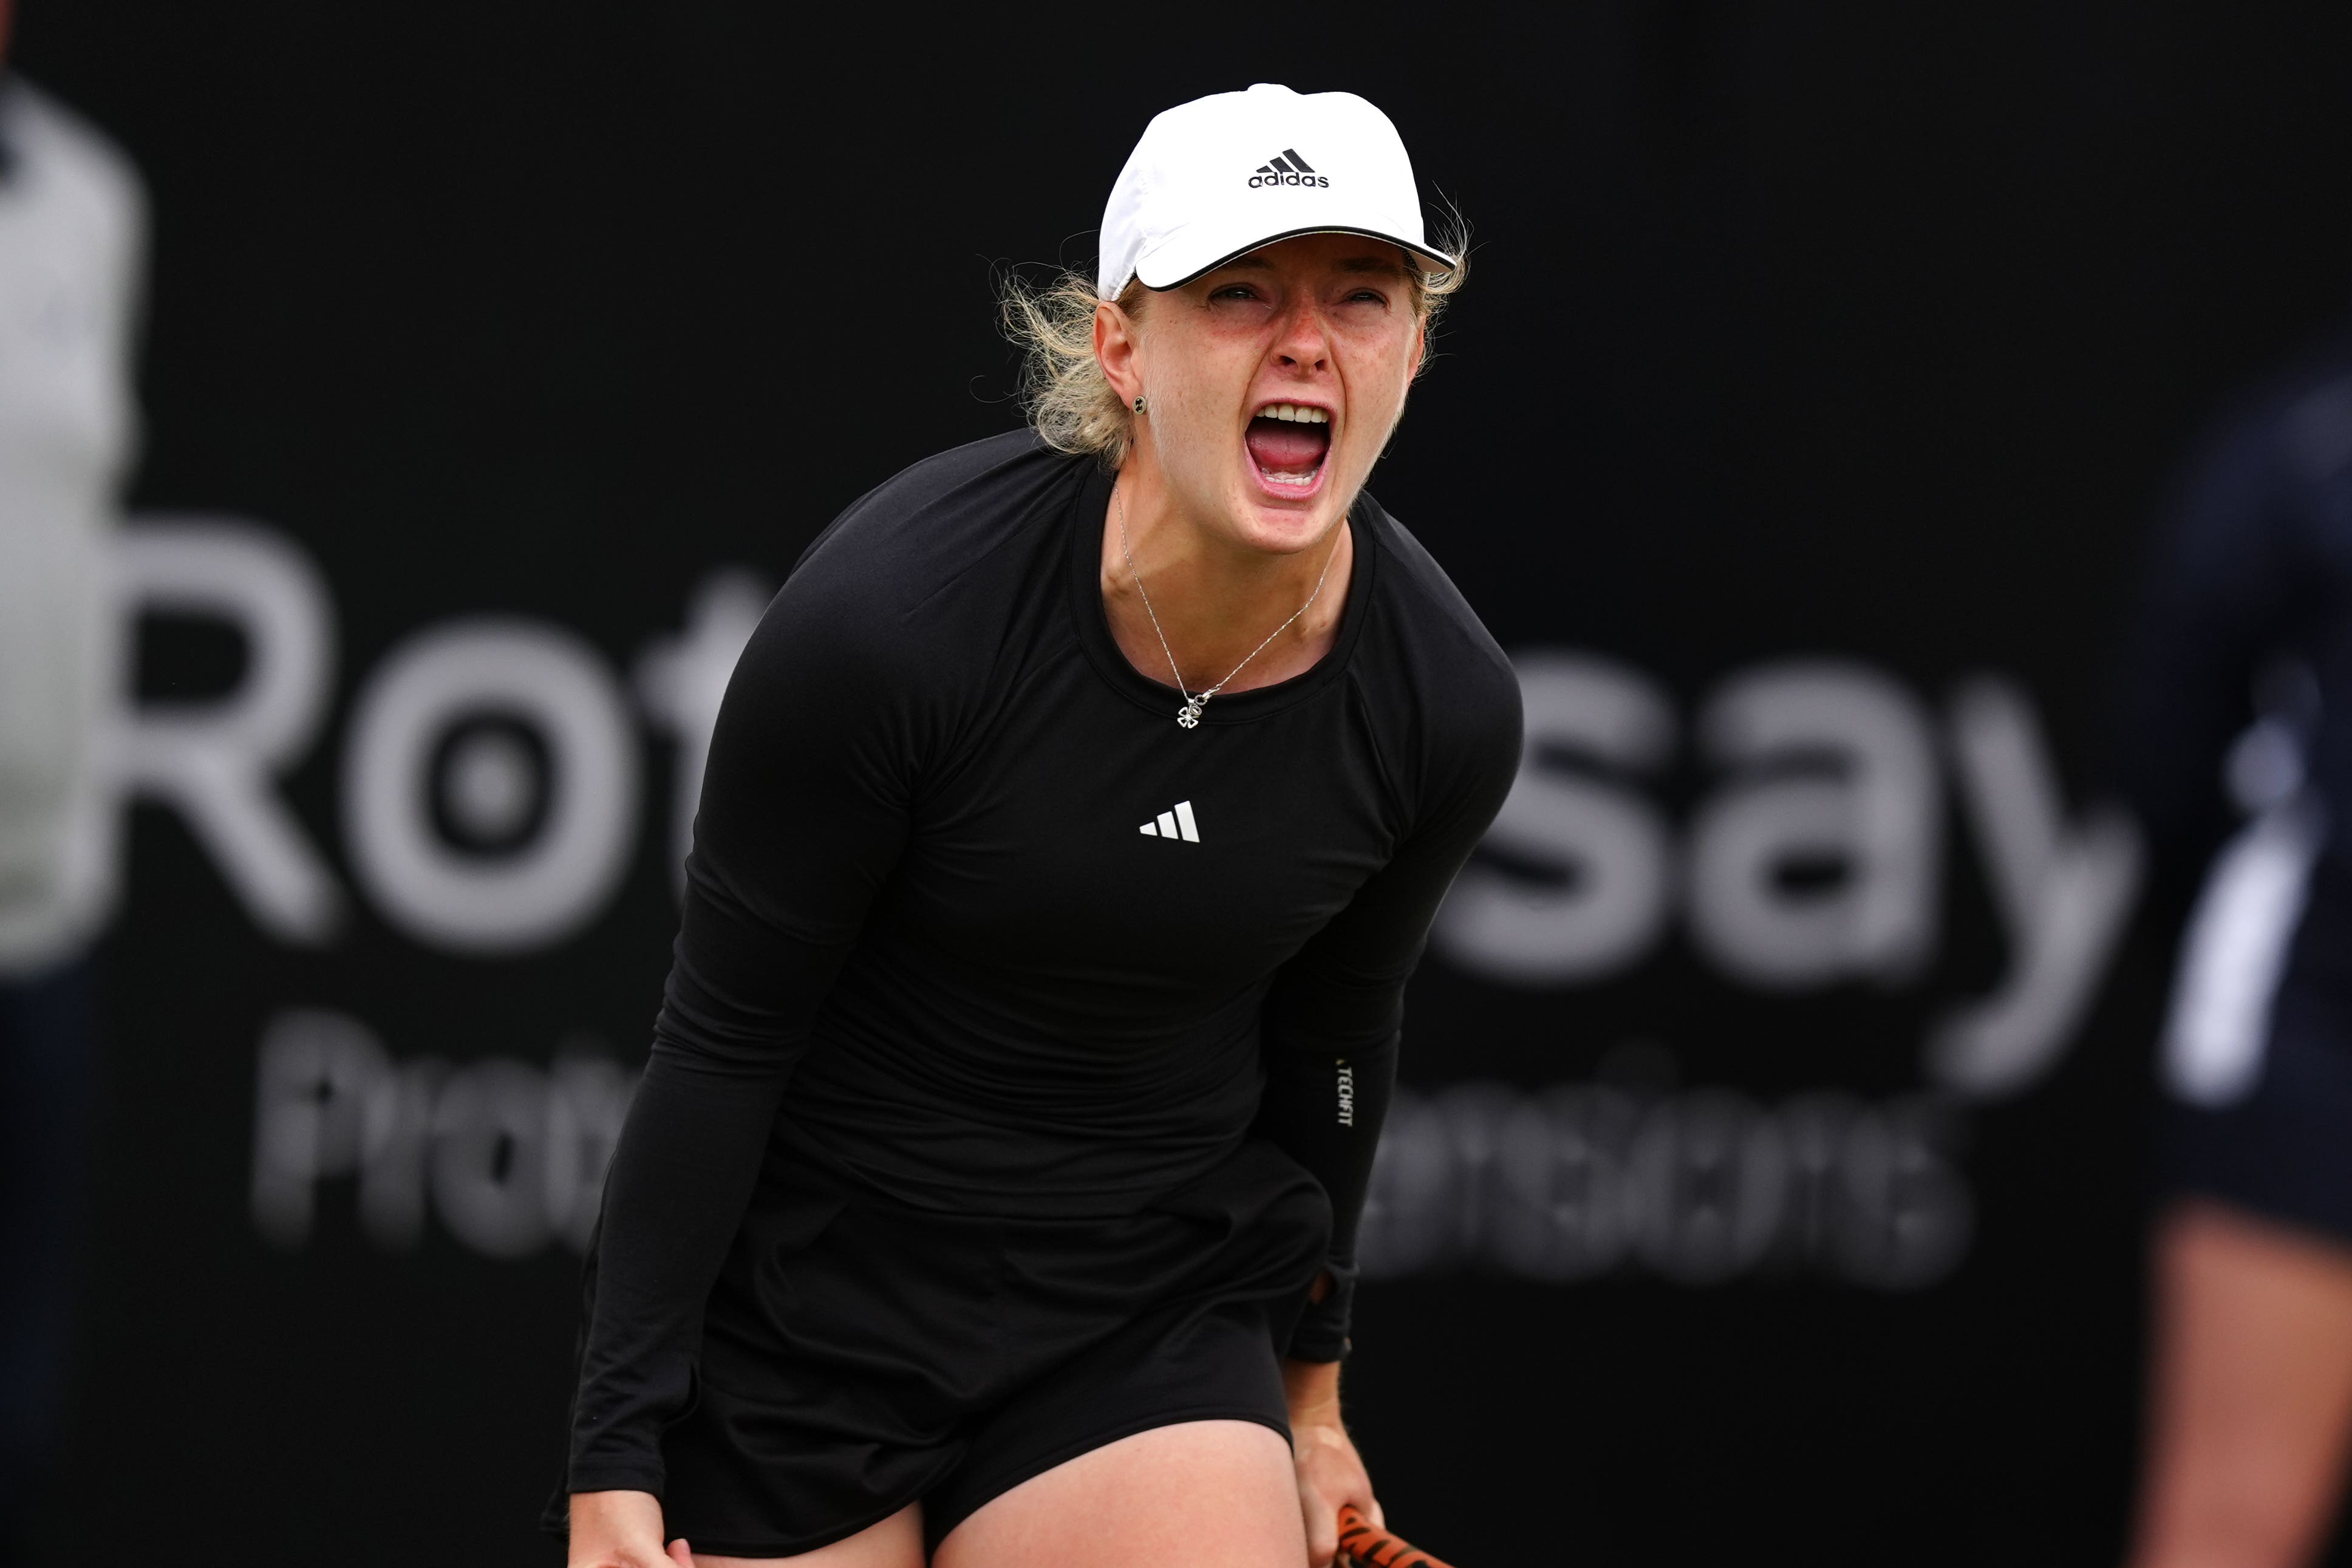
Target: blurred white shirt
(72, 236)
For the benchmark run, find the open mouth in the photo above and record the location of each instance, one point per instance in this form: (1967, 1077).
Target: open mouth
(1287, 443)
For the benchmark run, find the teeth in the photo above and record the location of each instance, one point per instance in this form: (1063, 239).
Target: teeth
(1294, 413)
(1301, 481)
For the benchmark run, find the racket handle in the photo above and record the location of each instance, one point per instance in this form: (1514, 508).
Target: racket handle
(1363, 1542)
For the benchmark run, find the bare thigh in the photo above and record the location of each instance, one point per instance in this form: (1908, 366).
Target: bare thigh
(895, 1542)
(1198, 1492)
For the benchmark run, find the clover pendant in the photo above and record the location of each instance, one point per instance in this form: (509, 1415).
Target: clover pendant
(1189, 715)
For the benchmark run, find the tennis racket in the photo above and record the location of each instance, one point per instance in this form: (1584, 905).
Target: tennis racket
(1367, 1545)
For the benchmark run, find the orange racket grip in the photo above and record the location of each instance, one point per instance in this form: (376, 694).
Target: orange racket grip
(1362, 1541)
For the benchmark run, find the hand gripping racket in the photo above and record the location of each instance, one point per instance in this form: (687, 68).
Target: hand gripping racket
(1365, 1544)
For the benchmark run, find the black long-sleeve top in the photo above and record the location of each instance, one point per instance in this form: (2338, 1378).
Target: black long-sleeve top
(968, 910)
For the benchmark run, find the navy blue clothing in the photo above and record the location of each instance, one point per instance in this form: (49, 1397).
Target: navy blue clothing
(2254, 562)
(48, 1077)
(936, 944)
(2255, 568)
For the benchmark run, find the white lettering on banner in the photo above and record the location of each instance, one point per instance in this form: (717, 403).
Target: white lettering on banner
(1584, 1180)
(1837, 778)
(1816, 861)
(587, 1100)
(1607, 860)
(2065, 894)
(215, 762)
(510, 1156)
(542, 891)
(318, 1074)
(399, 1119)
(489, 1157)
(682, 679)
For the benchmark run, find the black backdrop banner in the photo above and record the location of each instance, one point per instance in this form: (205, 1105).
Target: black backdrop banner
(1771, 1175)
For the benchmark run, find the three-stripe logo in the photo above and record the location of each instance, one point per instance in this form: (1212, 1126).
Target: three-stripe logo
(1286, 168)
(1175, 824)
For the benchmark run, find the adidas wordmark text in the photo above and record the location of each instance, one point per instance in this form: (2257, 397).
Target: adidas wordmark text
(1286, 168)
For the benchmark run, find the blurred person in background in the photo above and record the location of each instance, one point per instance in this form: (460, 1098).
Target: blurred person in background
(2238, 750)
(70, 239)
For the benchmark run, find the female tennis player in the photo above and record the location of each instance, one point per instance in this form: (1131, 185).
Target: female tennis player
(1072, 825)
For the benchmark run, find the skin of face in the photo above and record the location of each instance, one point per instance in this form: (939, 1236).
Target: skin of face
(1327, 320)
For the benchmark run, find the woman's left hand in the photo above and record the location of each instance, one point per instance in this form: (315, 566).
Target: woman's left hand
(1330, 1473)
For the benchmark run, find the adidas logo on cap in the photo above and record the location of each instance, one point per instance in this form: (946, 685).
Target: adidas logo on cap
(1287, 168)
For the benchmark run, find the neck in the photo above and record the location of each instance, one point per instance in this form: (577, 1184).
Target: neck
(1216, 598)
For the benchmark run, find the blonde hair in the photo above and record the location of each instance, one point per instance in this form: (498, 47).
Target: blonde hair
(1069, 400)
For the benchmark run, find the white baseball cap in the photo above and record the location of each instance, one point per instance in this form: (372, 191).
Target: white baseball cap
(1221, 175)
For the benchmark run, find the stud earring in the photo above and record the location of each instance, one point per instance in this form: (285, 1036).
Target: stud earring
(1139, 406)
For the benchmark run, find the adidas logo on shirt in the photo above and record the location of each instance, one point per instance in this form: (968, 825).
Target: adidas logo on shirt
(1286, 169)
(1176, 824)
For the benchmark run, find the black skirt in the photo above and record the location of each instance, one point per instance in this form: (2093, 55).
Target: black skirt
(859, 1355)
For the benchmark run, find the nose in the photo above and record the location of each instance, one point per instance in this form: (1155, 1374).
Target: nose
(1303, 342)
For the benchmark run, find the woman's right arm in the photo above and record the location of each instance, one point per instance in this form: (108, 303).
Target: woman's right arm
(804, 813)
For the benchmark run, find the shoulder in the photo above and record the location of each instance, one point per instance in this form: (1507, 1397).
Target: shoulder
(1453, 661)
(2287, 436)
(903, 542)
(76, 165)
(910, 592)
(1440, 673)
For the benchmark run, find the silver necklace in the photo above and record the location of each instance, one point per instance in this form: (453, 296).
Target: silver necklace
(1190, 714)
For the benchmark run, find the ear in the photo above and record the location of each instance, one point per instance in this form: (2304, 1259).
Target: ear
(1117, 348)
(1420, 347)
